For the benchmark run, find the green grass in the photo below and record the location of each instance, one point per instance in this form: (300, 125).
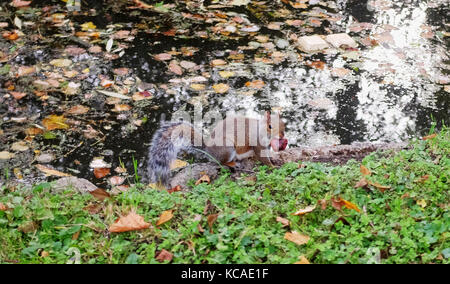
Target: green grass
(408, 223)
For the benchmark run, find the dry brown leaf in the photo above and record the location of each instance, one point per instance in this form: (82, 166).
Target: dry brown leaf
(51, 172)
(302, 260)
(322, 203)
(25, 70)
(204, 178)
(93, 208)
(121, 107)
(316, 64)
(116, 180)
(429, 136)
(338, 203)
(296, 237)
(3, 207)
(131, 222)
(365, 171)
(361, 183)
(18, 95)
(307, 209)
(101, 172)
(100, 194)
(382, 188)
(211, 219)
(283, 221)
(175, 189)
(164, 255)
(165, 216)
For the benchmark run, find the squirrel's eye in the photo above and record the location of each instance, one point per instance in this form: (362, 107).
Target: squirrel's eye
(270, 126)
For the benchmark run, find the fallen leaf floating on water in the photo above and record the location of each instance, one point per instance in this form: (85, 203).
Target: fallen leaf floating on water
(305, 210)
(257, 84)
(218, 62)
(221, 88)
(116, 180)
(296, 237)
(4, 155)
(25, 70)
(165, 216)
(20, 3)
(101, 172)
(163, 56)
(61, 62)
(18, 95)
(10, 36)
(53, 121)
(131, 222)
(226, 74)
(78, 109)
(164, 255)
(51, 172)
(88, 26)
(175, 68)
(198, 87)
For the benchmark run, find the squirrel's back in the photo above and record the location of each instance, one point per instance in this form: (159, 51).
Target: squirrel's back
(168, 140)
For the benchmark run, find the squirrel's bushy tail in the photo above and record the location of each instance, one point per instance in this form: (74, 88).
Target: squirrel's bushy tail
(167, 142)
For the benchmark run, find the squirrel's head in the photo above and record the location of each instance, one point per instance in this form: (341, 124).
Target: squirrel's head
(275, 128)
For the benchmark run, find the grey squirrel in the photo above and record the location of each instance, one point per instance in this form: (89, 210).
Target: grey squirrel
(233, 138)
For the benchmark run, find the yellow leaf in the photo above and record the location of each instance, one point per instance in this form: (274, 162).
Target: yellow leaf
(165, 216)
(88, 26)
(350, 205)
(296, 237)
(422, 203)
(226, 74)
(198, 87)
(55, 122)
(178, 164)
(221, 88)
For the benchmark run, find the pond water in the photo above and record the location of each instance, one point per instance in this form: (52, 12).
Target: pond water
(388, 89)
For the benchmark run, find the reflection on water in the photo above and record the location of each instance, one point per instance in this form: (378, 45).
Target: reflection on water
(395, 80)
